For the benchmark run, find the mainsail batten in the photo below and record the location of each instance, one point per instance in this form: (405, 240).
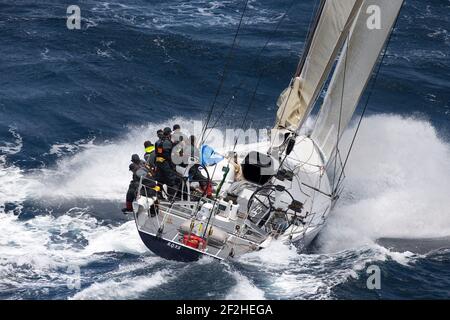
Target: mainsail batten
(332, 27)
(353, 71)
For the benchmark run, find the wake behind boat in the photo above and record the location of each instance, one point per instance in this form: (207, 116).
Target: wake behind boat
(283, 188)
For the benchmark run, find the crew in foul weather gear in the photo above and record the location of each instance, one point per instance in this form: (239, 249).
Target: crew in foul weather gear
(194, 172)
(167, 132)
(160, 134)
(164, 146)
(165, 169)
(136, 164)
(149, 155)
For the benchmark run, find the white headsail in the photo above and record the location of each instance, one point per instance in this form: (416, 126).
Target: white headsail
(360, 53)
(331, 29)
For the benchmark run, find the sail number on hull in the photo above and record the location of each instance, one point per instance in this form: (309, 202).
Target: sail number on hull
(173, 245)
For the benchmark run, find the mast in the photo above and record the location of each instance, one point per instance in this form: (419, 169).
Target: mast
(310, 36)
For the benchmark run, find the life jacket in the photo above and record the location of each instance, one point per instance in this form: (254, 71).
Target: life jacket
(149, 150)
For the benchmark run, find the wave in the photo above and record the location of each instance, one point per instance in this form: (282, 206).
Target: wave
(396, 185)
(122, 288)
(397, 179)
(38, 254)
(181, 14)
(13, 183)
(283, 273)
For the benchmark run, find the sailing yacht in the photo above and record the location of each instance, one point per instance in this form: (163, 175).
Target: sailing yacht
(290, 182)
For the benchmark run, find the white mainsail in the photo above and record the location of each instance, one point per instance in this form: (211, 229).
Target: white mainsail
(353, 71)
(334, 22)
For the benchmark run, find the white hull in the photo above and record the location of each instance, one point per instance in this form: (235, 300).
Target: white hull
(248, 228)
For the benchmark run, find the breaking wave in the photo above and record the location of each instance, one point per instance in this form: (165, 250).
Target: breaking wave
(396, 185)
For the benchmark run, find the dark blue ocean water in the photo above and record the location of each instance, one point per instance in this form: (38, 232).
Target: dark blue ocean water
(74, 104)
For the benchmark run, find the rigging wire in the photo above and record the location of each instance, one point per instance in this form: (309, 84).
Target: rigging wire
(260, 75)
(366, 104)
(311, 29)
(340, 111)
(226, 106)
(225, 69)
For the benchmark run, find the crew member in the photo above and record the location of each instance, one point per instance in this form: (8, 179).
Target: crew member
(160, 134)
(165, 169)
(149, 155)
(179, 142)
(234, 161)
(194, 171)
(177, 135)
(136, 164)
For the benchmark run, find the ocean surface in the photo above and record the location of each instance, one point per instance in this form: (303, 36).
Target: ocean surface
(75, 104)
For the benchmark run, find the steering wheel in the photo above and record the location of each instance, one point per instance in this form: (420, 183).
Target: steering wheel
(264, 197)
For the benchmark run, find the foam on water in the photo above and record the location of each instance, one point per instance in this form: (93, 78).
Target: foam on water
(283, 273)
(46, 242)
(127, 287)
(244, 289)
(397, 183)
(397, 179)
(123, 238)
(13, 181)
(39, 255)
(97, 171)
(279, 254)
(184, 14)
(62, 149)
